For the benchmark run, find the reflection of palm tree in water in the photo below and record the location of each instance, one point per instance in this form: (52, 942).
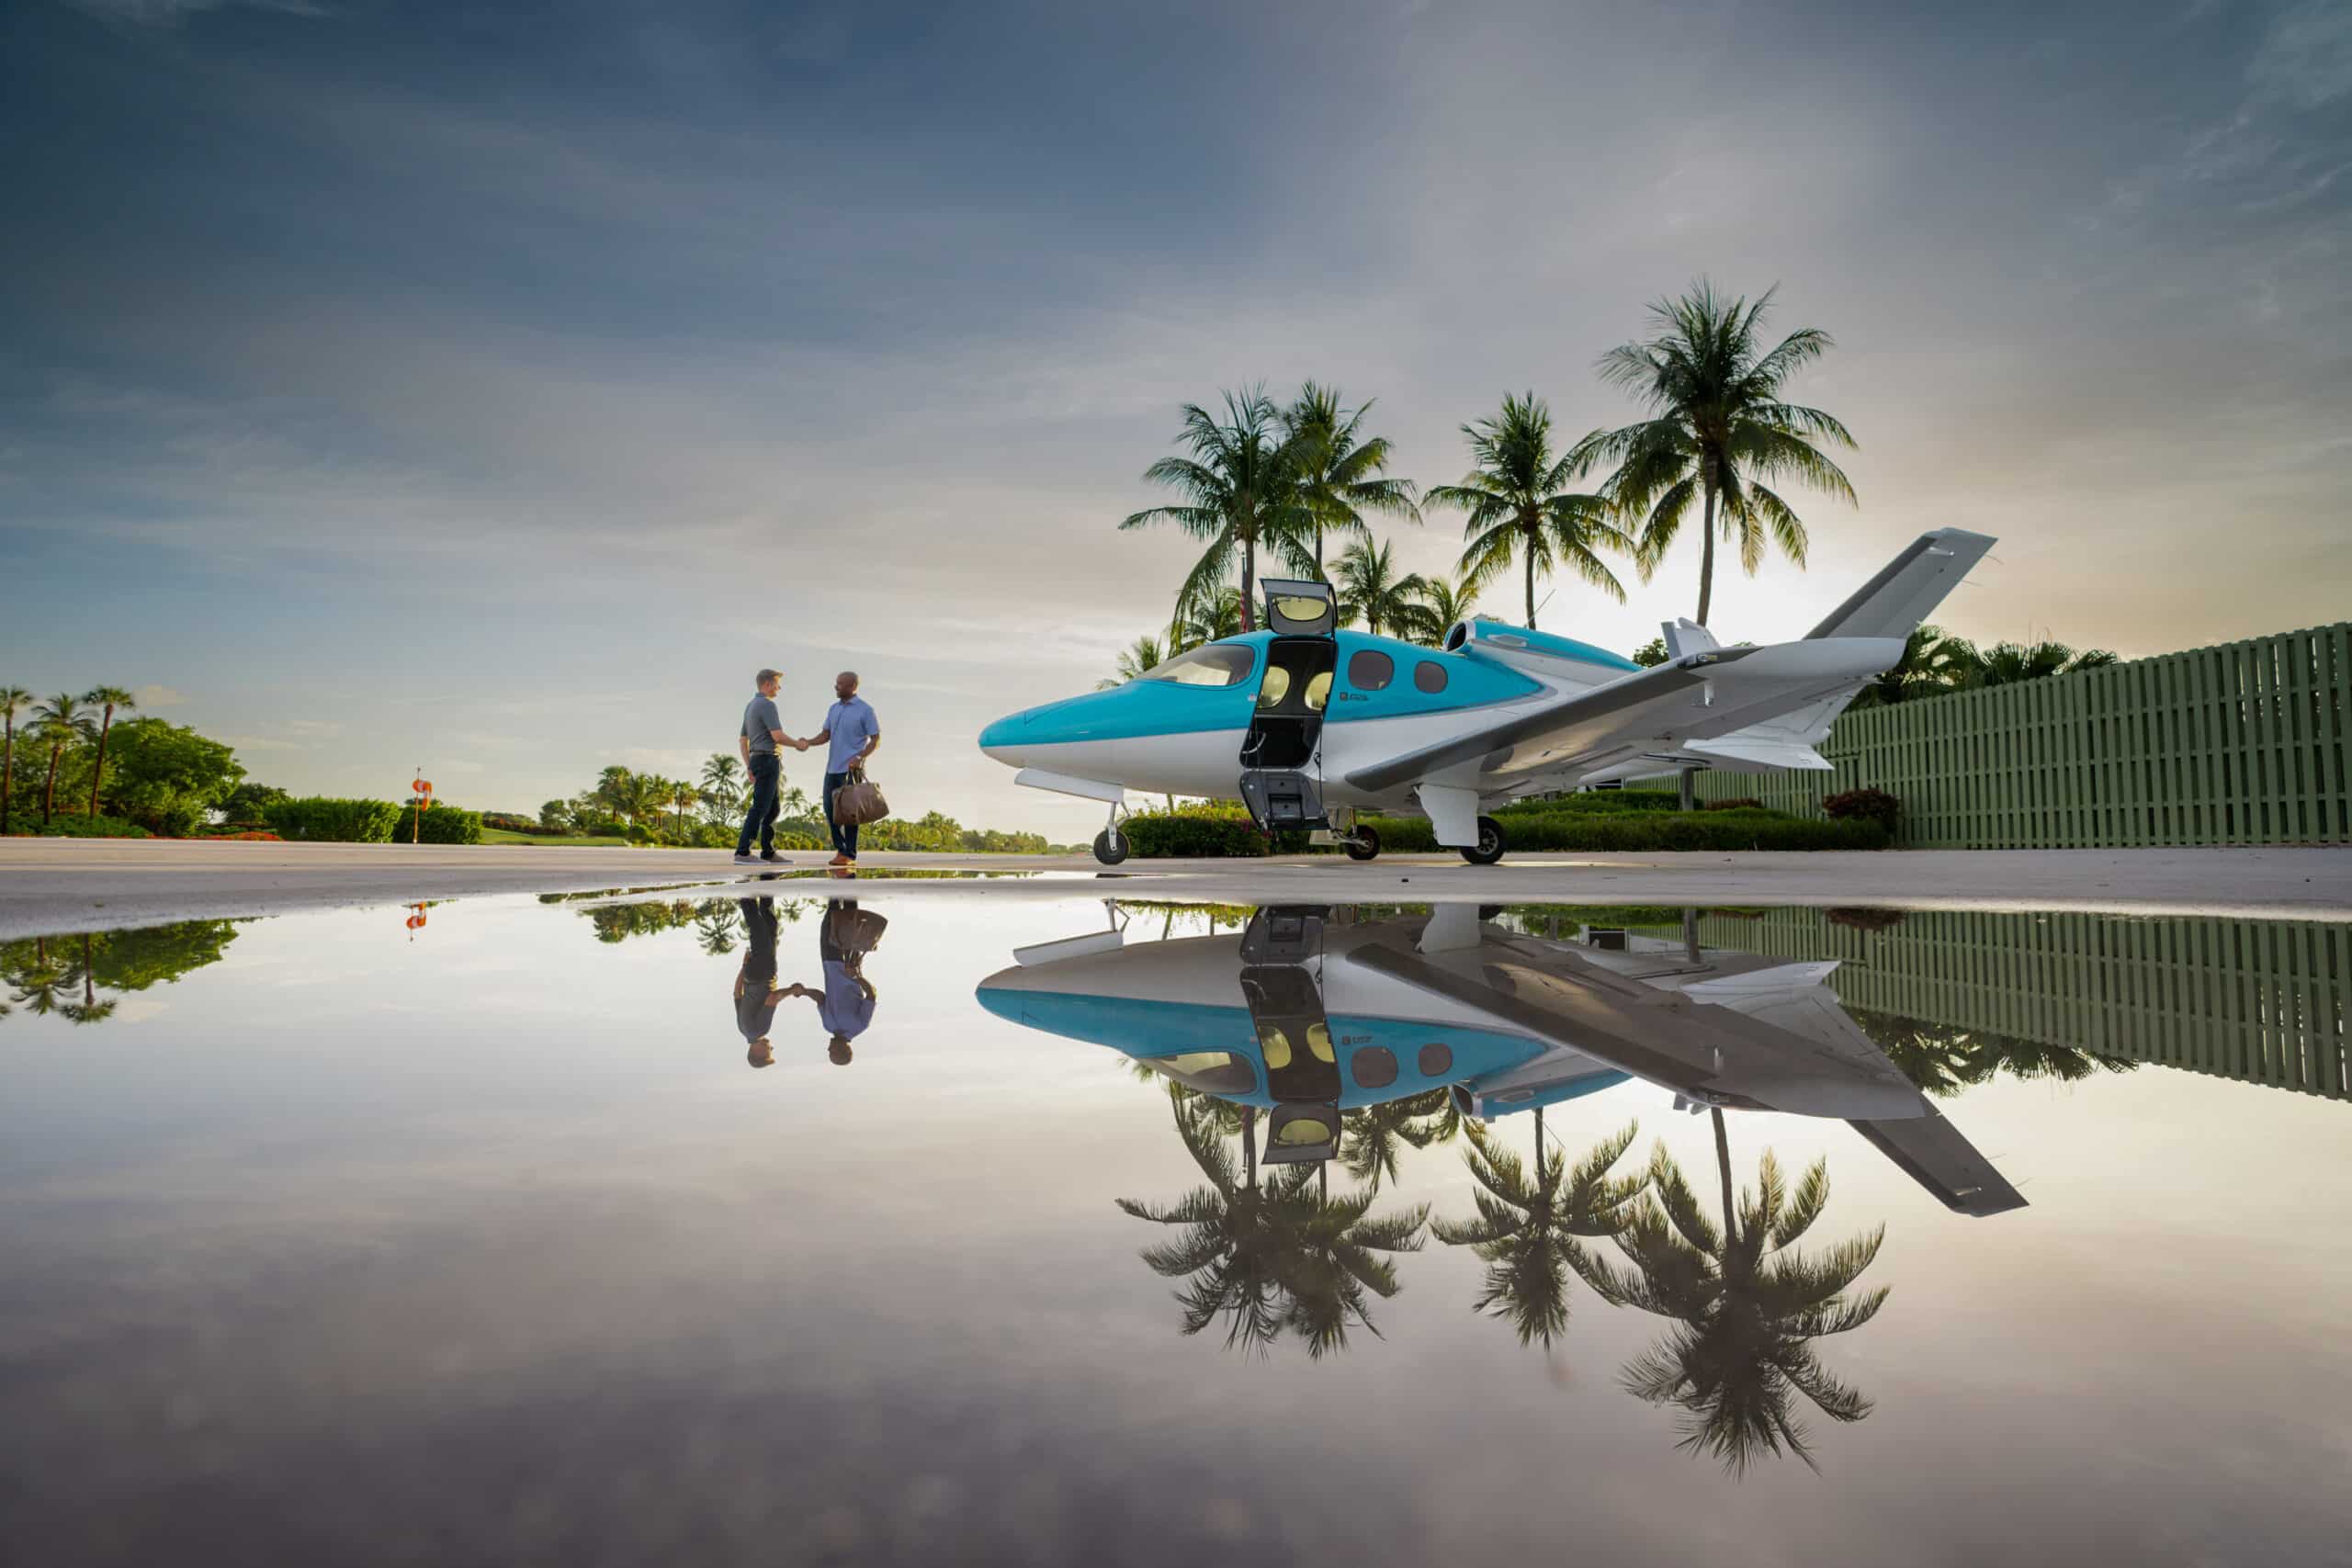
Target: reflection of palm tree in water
(1943, 1060)
(1747, 1306)
(1373, 1139)
(1277, 1257)
(1528, 1225)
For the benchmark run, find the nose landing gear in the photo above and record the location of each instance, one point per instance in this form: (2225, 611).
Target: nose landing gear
(1111, 846)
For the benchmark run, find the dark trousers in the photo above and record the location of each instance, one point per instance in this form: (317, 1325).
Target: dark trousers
(844, 833)
(768, 770)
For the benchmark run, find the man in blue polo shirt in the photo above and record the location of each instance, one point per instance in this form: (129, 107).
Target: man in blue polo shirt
(855, 734)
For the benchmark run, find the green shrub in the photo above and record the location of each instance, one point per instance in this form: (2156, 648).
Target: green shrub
(63, 826)
(324, 819)
(1873, 805)
(442, 825)
(1199, 831)
(1739, 829)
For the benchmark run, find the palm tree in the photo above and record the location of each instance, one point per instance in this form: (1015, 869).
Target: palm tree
(1241, 493)
(1518, 500)
(614, 788)
(1338, 466)
(1371, 591)
(1143, 656)
(12, 700)
(113, 697)
(1448, 601)
(1206, 618)
(1944, 1059)
(1528, 1227)
(1275, 1258)
(1933, 663)
(2007, 663)
(1718, 430)
(683, 797)
(723, 777)
(61, 722)
(1747, 1306)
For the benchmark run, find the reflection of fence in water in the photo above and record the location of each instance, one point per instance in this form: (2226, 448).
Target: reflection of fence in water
(2244, 743)
(2261, 1001)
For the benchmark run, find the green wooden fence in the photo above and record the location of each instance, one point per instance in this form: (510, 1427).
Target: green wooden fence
(2244, 743)
(2260, 1001)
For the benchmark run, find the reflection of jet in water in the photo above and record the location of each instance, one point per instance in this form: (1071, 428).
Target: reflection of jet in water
(1304, 1017)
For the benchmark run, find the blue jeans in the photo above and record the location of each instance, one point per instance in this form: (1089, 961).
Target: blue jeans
(768, 770)
(844, 833)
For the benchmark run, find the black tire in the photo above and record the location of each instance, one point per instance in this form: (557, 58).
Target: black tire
(1489, 847)
(1108, 849)
(1363, 846)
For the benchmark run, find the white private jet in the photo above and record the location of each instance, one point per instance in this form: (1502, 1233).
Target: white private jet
(1309, 724)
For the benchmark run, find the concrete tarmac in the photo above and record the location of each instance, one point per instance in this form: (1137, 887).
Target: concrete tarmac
(53, 886)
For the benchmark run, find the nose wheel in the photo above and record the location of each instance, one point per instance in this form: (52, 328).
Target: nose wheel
(1110, 846)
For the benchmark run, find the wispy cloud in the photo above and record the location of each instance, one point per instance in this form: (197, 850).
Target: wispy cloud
(151, 697)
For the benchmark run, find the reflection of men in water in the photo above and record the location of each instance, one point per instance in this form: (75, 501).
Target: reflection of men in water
(845, 1004)
(756, 995)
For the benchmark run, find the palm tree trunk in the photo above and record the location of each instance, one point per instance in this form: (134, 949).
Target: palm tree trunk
(1529, 545)
(1539, 1141)
(1723, 1170)
(8, 775)
(1249, 1144)
(1248, 581)
(1707, 552)
(98, 777)
(89, 976)
(49, 797)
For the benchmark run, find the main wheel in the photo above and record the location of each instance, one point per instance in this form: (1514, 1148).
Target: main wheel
(1489, 847)
(1110, 848)
(1364, 845)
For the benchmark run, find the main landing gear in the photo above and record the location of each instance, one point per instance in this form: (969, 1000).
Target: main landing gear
(1362, 845)
(1489, 847)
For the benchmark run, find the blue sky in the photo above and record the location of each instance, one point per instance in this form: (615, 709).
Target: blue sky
(493, 388)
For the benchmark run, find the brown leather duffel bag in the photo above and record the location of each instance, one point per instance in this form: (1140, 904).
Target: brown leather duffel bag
(859, 801)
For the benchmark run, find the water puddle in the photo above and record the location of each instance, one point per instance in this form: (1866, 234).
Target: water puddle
(766, 1226)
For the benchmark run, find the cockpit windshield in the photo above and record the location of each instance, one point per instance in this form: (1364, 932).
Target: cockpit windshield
(1212, 664)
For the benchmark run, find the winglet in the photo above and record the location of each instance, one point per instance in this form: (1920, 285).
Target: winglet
(1684, 636)
(1908, 588)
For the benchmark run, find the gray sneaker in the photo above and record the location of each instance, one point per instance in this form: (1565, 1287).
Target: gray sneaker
(746, 860)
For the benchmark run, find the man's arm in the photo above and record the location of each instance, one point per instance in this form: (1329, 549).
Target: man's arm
(873, 744)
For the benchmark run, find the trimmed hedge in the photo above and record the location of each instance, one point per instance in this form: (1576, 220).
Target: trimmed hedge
(1741, 830)
(1193, 831)
(64, 826)
(323, 820)
(443, 824)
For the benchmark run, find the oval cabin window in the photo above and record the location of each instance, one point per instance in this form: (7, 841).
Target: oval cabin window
(1371, 670)
(1429, 676)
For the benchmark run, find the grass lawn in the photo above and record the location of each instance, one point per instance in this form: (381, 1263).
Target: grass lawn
(501, 835)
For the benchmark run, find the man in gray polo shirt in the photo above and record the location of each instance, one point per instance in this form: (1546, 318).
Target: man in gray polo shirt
(762, 734)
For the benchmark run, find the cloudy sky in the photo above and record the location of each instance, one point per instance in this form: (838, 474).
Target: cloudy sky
(494, 387)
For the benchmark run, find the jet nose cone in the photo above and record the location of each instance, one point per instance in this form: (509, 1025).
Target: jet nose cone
(1002, 738)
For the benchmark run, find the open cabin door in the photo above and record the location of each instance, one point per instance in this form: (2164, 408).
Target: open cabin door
(1282, 771)
(1281, 961)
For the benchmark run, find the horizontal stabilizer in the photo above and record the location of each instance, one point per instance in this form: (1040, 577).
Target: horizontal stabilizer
(1908, 588)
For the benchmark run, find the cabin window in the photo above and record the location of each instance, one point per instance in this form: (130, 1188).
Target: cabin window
(1319, 691)
(1435, 1060)
(1375, 1067)
(1275, 687)
(1212, 664)
(1304, 1130)
(1371, 670)
(1302, 609)
(1429, 676)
